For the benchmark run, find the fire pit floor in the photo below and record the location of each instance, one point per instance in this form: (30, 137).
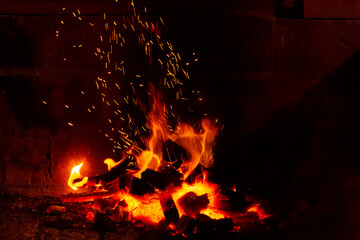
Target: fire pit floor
(48, 218)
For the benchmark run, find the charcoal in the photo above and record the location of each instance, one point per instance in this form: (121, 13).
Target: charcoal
(54, 209)
(120, 213)
(103, 223)
(182, 223)
(125, 182)
(191, 204)
(205, 223)
(104, 204)
(160, 180)
(141, 187)
(169, 208)
(224, 224)
(236, 200)
(190, 228)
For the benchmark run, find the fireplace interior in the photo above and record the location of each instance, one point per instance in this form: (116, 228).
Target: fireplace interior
(267, 110)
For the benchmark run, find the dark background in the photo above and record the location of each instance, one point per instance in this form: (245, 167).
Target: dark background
(282, 76)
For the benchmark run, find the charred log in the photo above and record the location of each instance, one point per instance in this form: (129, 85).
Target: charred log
(141, 187)
(121, 170)
(169, 208)
(235, 200)
(190, 228)
(183, 223)
(103, 223)
(191, 204)
(160, 180)
(205, 224)
(224, 225)
(104, 204)
(88, 197)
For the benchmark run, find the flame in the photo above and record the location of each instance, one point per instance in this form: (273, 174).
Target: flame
(198, 145)
(256, 207)
(146, 208)
(200, 188)
(152, 157)
(75, 174)
(111, 163)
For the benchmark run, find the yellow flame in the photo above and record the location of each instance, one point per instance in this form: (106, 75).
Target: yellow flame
(75, 174)
(111, 163)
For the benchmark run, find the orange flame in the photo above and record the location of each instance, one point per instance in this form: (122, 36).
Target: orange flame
(198, 145)
(111, 163)
(152, 157)
(75, 174)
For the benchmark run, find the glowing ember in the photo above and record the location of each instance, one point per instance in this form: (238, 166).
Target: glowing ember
(75, 174)
(146, 208)
(200, 188)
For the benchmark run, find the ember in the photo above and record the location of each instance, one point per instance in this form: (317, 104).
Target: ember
(183, 205)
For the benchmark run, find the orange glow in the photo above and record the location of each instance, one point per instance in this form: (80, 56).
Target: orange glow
(75, 174)
(146, 208)
(260, 211)
(200, 188)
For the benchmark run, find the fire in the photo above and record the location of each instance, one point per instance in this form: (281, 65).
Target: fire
(198, 145)
(192, 199)
(200, 188)
(257, 209)
(111, 163)
(148, 208)
(75, 174)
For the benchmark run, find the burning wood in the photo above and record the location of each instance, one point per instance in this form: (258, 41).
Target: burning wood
(185, 224)
(117, 170)
(191, 204)
(169, 208)
(156, 181)
(160, 180)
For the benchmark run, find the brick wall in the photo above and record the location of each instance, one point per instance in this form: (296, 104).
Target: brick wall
(251, 66)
